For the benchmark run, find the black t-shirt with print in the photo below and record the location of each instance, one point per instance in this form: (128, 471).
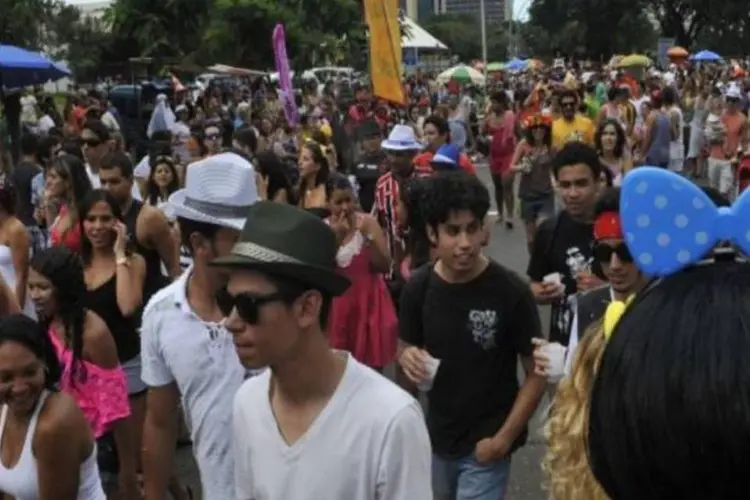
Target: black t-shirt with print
(367, 170)
(562, 245)
(477, 330)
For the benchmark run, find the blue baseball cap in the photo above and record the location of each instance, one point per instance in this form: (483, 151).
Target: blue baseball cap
(447, 157)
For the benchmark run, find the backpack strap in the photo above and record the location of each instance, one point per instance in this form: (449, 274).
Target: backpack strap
(555, 230)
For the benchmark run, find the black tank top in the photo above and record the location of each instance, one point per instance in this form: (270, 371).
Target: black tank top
(103, 301)
(154, 280)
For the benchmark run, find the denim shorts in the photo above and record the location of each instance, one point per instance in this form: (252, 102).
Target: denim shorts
(533, 209)
(464, 478)
(132, 369)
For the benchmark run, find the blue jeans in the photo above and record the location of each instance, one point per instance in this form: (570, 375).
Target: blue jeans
(465, 479)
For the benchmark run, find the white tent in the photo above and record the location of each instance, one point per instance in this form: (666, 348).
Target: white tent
(418, 38)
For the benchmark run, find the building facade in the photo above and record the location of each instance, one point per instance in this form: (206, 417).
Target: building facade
(495, 10)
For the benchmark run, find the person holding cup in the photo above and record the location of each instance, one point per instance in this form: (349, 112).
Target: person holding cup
(562, 263)
(552, 360)
(464, 324)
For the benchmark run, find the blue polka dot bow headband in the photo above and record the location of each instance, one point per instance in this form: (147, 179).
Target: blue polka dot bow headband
(670, 223)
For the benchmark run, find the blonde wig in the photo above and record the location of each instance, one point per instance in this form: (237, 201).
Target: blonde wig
(566, 465)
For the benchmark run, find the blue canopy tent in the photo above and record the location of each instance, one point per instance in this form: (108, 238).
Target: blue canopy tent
(21, 68)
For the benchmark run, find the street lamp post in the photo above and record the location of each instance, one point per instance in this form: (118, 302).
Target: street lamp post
(483, 21)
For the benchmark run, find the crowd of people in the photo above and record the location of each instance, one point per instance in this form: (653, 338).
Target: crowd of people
(245, 285)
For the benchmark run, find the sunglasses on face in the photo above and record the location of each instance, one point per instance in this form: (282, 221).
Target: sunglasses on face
(603, 253)
(568, 104)
(247, 305)
(92, 143)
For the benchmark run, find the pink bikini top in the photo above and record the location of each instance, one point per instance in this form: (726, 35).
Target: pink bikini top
(102, 394)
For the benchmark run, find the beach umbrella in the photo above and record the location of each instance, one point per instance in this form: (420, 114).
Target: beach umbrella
(706, 56)
(677, 52)
(516, 64)
(463, 74)
(21, 68)
(634, 60)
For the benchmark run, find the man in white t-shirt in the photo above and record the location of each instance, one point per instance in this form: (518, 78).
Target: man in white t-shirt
(317, 424)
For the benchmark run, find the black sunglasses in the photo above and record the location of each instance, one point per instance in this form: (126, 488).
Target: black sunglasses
(92, 143)
(603, 252)
(247, 305)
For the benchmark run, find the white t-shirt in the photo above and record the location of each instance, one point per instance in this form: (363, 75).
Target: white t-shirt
(28, 110)
(96, 183)
(177, 346)
(45, 124)
(110, 122)
(370, 442)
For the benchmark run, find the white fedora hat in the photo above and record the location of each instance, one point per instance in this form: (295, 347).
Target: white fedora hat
(219, 190)
(401, 138)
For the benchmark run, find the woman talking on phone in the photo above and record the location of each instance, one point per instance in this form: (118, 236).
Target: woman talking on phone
(114, 278)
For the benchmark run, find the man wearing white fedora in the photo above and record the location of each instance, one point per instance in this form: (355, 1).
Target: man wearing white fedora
(400, 148)
(187, 353)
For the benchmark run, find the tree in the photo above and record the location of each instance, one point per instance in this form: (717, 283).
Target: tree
(159, 29)
(89, 44)
(458, 32)
(589, 28)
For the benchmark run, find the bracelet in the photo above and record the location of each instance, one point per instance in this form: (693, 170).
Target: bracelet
(121, 261)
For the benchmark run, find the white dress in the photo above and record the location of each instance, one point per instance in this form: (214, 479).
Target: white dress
(677, 147)
(9, 275)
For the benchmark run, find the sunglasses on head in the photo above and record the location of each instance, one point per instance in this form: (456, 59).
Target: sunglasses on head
(603, 252)
(247, 305)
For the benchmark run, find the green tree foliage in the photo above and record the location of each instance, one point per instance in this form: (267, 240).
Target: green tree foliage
(168, 29)
(698, 24)
(460, 32)
(590, 28)
(37, 24)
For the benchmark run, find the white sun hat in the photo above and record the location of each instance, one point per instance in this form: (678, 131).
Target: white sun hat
(219, 190)
(401, 138)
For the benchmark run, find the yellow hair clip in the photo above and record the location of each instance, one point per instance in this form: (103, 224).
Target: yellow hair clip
(612, 315)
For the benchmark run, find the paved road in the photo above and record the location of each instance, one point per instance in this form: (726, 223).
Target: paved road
(509, 248)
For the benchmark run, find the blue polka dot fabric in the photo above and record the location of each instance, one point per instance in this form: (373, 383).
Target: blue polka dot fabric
(670, 223)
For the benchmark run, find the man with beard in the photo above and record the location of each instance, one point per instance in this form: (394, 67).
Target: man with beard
(571, 126)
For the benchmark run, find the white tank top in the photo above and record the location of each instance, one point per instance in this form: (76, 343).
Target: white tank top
(22, 481)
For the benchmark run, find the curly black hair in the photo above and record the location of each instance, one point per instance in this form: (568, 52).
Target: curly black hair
(453, 191)
(64, 270)
(574, 153)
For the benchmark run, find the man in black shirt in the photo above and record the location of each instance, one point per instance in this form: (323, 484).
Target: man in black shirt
(26, 169)
(478, 319)
(370, 164)
(561, 262)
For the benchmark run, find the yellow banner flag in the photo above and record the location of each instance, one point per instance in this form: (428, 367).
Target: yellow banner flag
(385, 49)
